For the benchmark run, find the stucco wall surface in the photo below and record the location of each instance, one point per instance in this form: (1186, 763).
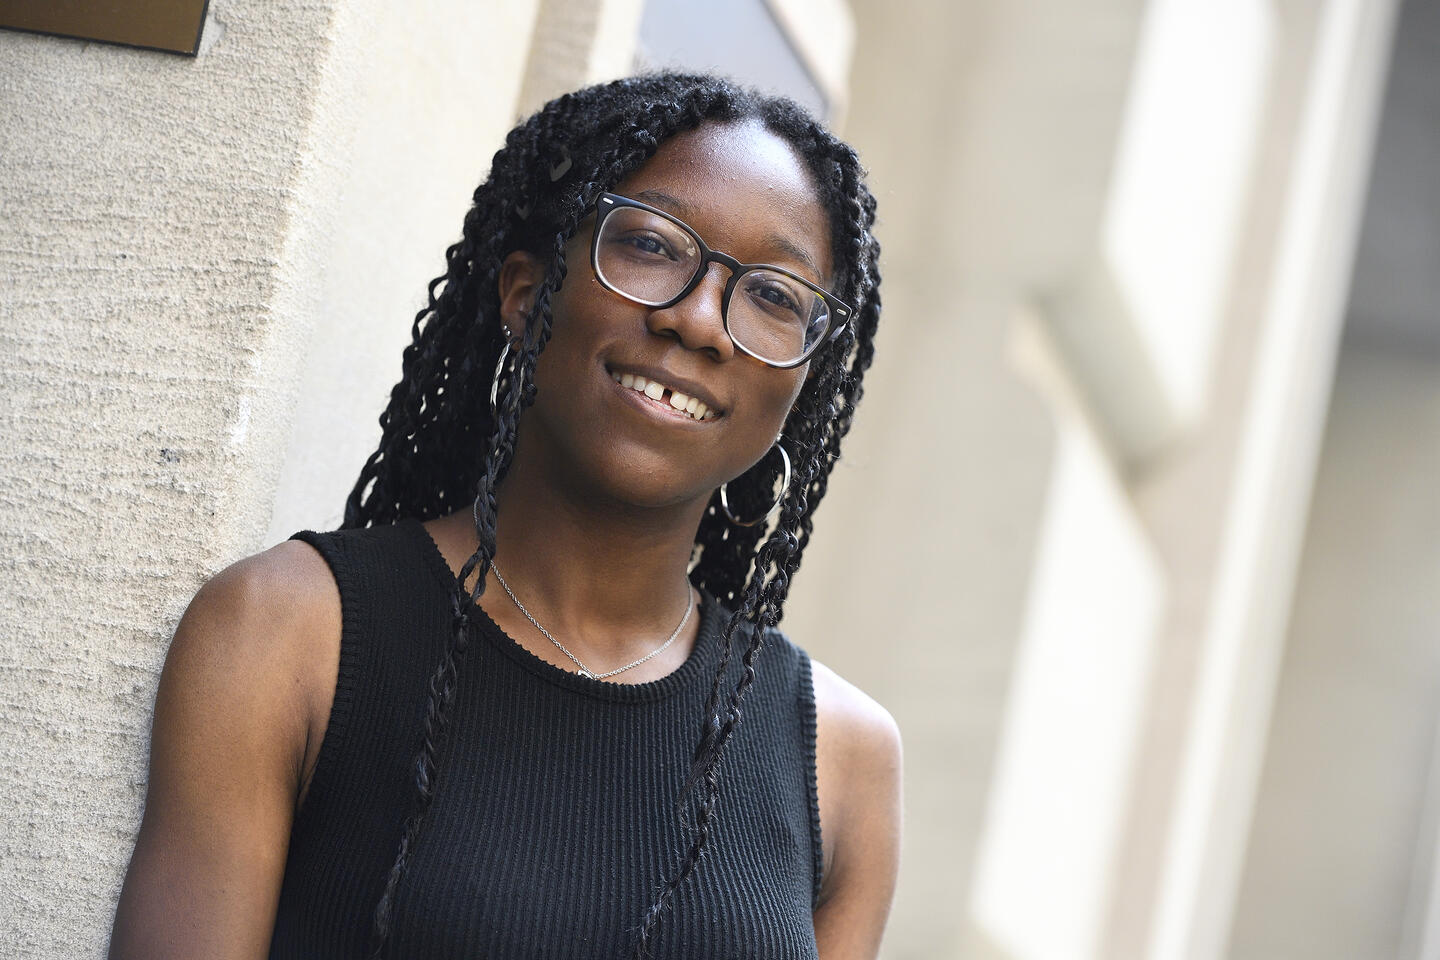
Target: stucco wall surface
(166, 228)
(146, 201)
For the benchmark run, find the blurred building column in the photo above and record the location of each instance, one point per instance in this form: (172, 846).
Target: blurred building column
(1292, 330)
(578, 42)
(1341, 859)
(989, 129)
(1117, 240)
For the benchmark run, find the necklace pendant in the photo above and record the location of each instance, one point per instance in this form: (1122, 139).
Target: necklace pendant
(586, 674)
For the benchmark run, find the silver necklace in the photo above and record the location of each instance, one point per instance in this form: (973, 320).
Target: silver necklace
(584, 670)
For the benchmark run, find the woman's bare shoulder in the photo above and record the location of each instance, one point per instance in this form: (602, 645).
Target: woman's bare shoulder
(270, 618)
(271, 621)
(858, 776)
(232, 735)
(289, 584)
(867, 728)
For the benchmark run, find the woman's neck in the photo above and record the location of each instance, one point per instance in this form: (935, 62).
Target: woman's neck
(606, 579)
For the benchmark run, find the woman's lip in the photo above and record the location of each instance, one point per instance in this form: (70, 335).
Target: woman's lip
(658, 408)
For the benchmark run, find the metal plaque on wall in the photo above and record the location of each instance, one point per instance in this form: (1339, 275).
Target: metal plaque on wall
(172, 25)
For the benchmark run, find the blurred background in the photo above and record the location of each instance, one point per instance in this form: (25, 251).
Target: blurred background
(1145, 478)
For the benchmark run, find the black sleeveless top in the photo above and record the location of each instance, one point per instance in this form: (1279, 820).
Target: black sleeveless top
(553, 821)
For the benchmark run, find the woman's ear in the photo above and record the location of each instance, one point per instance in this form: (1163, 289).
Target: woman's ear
(519, 282)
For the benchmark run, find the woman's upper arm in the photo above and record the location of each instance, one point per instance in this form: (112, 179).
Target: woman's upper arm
(228, 751)
(858, 772)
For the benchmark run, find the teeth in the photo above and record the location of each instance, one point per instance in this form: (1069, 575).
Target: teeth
(689, 405)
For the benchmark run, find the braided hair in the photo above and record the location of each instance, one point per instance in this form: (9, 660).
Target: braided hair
(542, 183)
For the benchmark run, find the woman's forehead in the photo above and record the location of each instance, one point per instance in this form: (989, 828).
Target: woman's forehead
(742, 186)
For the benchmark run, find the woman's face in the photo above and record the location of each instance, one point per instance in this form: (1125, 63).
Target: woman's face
(746, 193)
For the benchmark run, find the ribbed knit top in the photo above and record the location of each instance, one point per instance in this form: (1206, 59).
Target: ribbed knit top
(554, 820)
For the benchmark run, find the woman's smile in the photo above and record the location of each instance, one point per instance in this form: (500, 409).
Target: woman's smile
(663, 395)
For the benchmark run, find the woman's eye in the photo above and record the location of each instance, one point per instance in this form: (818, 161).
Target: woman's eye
(776, 295)
(650, 245)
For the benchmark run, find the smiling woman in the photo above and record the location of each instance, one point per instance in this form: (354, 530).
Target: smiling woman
(361, 748)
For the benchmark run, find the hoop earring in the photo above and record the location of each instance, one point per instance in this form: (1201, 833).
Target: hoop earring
(499, 370)
(784, 486)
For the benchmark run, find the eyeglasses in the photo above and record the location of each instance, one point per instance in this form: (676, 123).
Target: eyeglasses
(652, 258)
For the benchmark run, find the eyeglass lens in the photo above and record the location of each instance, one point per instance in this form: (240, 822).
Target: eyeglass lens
(651, 259)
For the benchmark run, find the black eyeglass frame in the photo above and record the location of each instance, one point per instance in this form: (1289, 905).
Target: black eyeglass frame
(608, 203)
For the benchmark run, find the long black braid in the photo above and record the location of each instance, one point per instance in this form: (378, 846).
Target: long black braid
(542, 183)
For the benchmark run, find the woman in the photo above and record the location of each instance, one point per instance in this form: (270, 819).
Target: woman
(517, 706)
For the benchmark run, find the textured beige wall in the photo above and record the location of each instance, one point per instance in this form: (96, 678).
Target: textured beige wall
(147, 202)
(166, 251)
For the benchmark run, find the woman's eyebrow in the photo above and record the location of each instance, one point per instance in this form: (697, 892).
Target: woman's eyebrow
(678, 207)
(663, 200)
(793, 250)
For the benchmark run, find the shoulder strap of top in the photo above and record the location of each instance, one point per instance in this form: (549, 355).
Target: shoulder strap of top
(391, 631)
(798, 661)
(336, 548)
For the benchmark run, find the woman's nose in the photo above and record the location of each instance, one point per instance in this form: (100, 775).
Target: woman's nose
(698, 321)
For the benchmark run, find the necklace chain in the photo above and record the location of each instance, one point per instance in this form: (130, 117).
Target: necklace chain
(584, 670)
